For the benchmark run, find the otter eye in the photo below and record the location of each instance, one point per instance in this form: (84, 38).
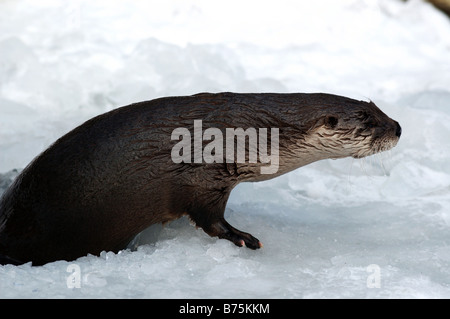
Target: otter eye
(331, 121)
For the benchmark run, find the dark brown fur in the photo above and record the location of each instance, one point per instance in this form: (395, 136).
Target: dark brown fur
(101, 184)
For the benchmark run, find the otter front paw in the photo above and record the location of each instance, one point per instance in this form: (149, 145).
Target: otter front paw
(224, 230)
(242, 239)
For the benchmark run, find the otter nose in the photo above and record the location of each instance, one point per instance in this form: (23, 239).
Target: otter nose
(398, 131)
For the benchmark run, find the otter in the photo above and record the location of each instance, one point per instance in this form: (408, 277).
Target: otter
(105, 181)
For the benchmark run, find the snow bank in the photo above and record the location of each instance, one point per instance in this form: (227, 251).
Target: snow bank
(372, 228)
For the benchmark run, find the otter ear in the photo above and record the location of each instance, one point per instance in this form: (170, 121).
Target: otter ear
(331, 121)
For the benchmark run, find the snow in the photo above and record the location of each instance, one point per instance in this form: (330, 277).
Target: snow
(370, 228)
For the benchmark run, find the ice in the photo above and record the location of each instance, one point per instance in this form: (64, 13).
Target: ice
(325, 227)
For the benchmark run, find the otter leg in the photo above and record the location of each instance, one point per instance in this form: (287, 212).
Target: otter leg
(214, 224)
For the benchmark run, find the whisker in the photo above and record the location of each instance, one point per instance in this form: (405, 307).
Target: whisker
(363, 168)
(389, 153)
(349, 176)
(382, 165)
(372, 164)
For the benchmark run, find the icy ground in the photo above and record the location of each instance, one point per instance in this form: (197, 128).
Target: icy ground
(372, 228)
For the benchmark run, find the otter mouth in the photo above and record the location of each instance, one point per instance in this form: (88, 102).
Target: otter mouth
(382, 143)
(377, 146)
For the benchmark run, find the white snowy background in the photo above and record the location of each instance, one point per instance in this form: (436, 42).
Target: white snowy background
(372, 228)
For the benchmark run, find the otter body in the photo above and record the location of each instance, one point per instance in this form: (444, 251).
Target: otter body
(101, 184)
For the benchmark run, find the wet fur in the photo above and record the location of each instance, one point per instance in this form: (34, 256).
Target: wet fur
(101, 184)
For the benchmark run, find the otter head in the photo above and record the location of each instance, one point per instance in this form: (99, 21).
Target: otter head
(355, 129)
